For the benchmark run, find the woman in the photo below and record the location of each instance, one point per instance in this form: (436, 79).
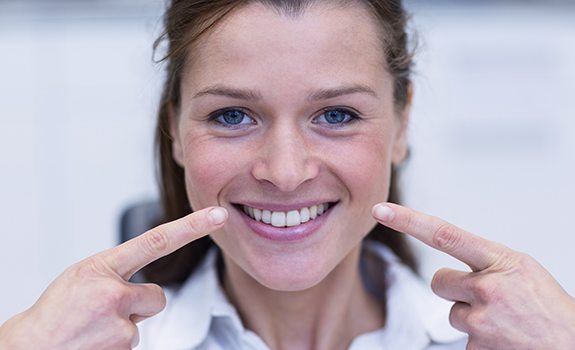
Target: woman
(281, 126)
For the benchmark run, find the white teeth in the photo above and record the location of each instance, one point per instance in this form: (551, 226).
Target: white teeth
(293, 218)
(267, 216)
(304, 215)
(257, 214)
(282, 219)
(313, 212)
(278, 219)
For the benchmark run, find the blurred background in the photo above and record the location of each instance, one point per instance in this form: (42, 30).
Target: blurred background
(492, 131)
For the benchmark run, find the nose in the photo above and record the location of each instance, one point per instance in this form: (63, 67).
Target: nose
(286, 159)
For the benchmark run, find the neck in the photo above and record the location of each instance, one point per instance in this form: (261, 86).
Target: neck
(328, 315)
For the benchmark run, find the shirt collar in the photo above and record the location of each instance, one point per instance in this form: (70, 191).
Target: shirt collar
(191, 307)
(415, 314)
(414, 301)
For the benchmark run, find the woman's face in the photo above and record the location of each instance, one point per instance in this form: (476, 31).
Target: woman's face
(289, 140)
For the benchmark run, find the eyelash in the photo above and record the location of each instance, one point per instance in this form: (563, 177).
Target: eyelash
(353, 117)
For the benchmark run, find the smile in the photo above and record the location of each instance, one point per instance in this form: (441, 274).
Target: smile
(286, 218)
(285, 222)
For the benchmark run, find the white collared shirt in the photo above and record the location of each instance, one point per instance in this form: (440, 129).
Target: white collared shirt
(199, 315)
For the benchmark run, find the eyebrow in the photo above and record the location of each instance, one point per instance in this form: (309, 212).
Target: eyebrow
(315, 95)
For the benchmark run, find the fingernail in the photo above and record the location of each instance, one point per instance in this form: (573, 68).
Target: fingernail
(217, 215)
(383, 212)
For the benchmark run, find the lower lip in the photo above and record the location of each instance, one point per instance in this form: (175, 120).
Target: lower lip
(286, 234)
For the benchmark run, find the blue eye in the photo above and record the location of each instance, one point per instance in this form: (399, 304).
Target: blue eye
(231, 118)
(337, 117)
(234, 118)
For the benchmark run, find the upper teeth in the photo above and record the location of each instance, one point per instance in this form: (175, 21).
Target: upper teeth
(282, 218)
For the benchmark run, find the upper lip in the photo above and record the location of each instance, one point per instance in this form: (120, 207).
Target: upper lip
(284, 206)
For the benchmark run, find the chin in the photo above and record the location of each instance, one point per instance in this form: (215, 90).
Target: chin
(289, 274)
(286, 266)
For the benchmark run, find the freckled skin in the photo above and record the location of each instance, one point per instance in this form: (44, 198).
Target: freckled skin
(285, 157)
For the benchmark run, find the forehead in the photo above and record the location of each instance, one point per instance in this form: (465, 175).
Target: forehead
(255, 46)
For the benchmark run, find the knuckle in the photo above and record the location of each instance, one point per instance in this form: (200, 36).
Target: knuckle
(89, 268)
(524, 262)
(154, 242)
(100, 309)
(506, 259)
(106, 303)
(485, 289)
(111, 296)
(447, 237)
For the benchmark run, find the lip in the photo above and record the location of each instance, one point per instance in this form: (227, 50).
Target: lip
(285, 207)
(285, 234)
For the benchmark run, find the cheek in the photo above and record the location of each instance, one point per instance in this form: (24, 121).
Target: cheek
(209, 165)
(365, 170)
(363, 165)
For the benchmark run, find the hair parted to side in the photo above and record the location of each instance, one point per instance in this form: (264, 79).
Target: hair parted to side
(185, 21)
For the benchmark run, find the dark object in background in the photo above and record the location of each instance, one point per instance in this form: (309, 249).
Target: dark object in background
(136, 219)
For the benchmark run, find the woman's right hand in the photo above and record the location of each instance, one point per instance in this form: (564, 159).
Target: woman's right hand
(91, 305)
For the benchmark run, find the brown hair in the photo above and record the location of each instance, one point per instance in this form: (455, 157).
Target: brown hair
(185, 21)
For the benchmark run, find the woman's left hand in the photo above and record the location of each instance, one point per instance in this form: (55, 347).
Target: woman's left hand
(507, 301)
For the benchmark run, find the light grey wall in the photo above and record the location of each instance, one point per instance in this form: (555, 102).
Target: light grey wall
(78, 94)
(492, 132)
(493, 129)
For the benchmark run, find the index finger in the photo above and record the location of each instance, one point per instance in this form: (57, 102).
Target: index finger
(477, 252)
(131, 256)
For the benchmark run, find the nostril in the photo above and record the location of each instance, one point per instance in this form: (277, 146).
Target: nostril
(284, 174)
